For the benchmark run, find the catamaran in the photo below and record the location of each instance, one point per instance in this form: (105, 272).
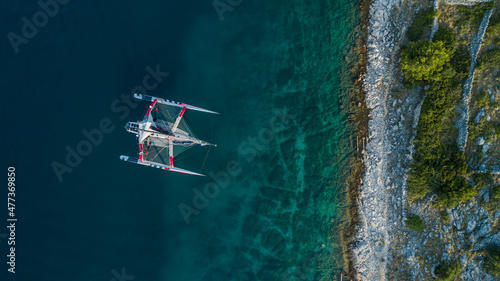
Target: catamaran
(163, 134)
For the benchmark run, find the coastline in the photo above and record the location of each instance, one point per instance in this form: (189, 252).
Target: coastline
(377, 190)
(370, 246)
(379, 245)
(358, 119)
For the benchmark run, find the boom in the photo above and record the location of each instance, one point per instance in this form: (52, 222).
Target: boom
(172, 103)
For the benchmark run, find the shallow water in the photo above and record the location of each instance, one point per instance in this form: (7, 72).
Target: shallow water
(272, 71)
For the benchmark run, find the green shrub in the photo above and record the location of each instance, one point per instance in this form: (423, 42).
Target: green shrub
(461, 62)
(495, 192)
(452, 187)
(489, 59)
(414, 222)
(447, 271)
(424, 61)
(482, 99)
(438, 165)
(422, 19)
(492, 261)
(447, 36)
(482, 180)
(417, 181)
(445, 217)
(494, 25)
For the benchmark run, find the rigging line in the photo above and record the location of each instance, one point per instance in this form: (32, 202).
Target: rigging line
(165, 113)
(206, 156)
(182, 150)
(187, 120)
(211, 134)
(158, 153)
(189, 155)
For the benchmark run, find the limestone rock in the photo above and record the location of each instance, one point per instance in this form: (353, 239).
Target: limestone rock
(463, 260)
(485, 229)
(471, 224)
(479, 115)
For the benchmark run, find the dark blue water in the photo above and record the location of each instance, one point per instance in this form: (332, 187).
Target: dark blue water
(270, 68)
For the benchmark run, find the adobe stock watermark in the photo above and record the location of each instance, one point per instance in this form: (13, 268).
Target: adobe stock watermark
(223, 6)
(94, 137)
(248, 149)
(31, 27)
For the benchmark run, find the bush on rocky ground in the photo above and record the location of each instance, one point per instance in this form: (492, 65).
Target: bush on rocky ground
(422, 19)
(482, 180)
(495, 192)
(461, 62)
(482, 99)
(492, 261)
(438, 165)
(445, 217)
(447, 271)
(447, 36)
(494, 25)
(489, 59)
(424, 61)
(414, 222)
(460, 56)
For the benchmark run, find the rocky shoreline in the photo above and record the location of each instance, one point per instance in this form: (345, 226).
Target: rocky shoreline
(383, 248)
(376, 214)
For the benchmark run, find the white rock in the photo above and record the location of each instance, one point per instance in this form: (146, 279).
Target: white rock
(479, 115)
(485, 229)
(486, 146)
(486, 197)
(471, 224)
(463, 260)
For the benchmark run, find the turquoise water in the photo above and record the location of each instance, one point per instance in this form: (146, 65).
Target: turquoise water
(273, 202)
